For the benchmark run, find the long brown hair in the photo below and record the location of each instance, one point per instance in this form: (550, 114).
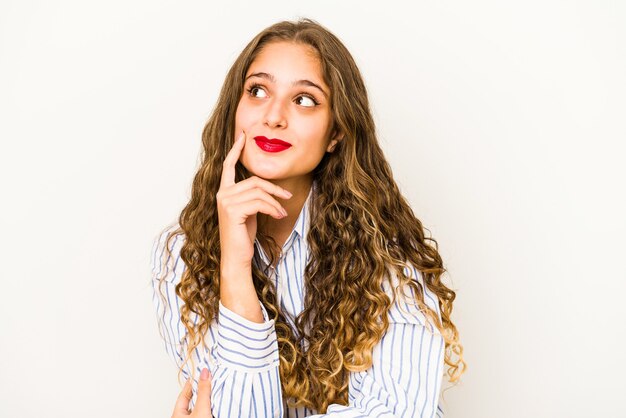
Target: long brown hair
(361, 228)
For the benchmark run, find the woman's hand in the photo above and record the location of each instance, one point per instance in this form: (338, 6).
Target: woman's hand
(237, 208)
(203, 402)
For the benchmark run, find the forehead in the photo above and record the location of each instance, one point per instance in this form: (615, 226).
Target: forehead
(287, 62)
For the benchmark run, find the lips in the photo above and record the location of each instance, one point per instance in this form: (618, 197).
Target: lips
(271, 145)
(274, 141)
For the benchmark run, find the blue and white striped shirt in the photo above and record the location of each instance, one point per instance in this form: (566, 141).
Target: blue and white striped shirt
(403, 381)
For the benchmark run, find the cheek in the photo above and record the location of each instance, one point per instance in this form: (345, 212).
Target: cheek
(316, 129)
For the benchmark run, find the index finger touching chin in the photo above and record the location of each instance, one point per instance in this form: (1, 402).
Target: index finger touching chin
(228, 169)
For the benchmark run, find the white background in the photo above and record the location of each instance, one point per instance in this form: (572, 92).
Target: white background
(504, 123)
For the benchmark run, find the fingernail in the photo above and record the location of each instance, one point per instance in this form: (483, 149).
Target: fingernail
(242, 134)
(287, 193)
(283, 211)
(204, 375)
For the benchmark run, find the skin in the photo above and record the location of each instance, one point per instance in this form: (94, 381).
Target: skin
(203, 402)
(278, 109)
(275, 193)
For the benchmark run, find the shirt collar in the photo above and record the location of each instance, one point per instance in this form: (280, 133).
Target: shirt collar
(303, 222)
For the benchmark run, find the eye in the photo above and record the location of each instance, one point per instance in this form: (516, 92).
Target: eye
(254, 89)
(307, 102)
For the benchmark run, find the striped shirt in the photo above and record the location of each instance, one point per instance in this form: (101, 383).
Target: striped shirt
(403, 381)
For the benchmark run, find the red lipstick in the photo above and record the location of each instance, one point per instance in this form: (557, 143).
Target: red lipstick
(271, 145)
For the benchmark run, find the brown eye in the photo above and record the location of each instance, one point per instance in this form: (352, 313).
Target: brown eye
(254, 91)
(307, 101)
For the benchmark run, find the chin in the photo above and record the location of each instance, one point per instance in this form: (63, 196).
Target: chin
(265, 172)
(264, 168)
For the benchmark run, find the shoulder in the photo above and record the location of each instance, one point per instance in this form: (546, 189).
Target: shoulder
(405, 308)
(165, 255)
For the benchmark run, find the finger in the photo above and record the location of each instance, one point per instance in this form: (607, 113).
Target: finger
(257, 194)
(203, 400)
(181, 408)
(256, 182)
(228, 168)
(253, 207)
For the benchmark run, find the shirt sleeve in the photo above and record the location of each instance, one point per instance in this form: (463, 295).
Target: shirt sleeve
(406, 374)
(242, 355)
(167, 304)
(246, 378)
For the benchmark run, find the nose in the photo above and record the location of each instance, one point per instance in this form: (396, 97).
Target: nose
(276, 115)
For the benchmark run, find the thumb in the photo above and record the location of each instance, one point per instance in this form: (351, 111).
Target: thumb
(182, 403)
(203, 400)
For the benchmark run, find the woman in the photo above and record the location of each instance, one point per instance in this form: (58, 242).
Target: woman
(297, 274)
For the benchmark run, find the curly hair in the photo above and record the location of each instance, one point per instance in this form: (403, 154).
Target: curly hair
(362, 229)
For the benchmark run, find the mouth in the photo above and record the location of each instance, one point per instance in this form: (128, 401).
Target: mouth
(274, 141)
(271, 145)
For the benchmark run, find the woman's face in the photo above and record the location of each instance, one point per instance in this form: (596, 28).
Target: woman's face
(284, 98)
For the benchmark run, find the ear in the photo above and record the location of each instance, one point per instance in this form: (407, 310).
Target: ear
(337, 137)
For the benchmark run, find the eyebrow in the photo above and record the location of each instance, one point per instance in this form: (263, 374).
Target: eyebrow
(295, 83)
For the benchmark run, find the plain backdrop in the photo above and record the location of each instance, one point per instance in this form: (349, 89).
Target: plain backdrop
(504, 124)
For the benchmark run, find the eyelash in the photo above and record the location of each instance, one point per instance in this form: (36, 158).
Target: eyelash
(256, 85)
